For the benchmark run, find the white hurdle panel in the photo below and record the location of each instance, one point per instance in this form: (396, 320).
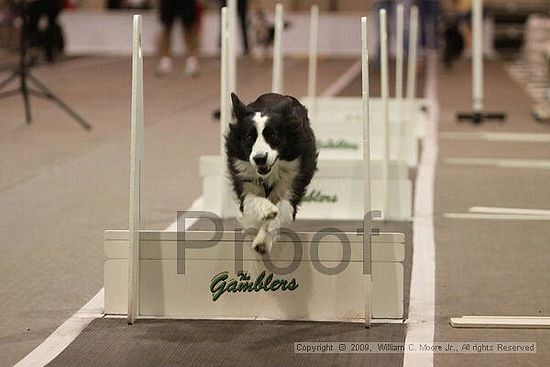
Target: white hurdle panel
(332, 194)
(175, 275)
(318, 296)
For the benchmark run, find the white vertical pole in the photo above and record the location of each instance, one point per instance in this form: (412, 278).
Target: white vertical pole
(399, 53)
(313, 49)
(398, 110)
(410, 126)
(477, 55)
(384, 95)
(277, 81)
(136, 176)
(225, 106)
(232, 24)
(366, 170)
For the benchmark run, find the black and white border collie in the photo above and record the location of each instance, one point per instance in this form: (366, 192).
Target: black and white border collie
(271, 157)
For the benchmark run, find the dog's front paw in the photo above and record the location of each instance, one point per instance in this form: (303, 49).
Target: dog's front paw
(261, 248)
(262, 244)
(267, 210)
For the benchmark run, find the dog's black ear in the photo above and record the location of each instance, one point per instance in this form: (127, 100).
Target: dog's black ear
(239, 108)
(284, 107)
(292, 109)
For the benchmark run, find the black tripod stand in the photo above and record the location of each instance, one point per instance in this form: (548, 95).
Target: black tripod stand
(25, 78)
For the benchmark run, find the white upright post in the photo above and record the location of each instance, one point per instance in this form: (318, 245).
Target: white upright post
(312, 66)
(232, 24)
(313, 46)
(399, 54)
(136, 176)
(477, 56)
(399, 31)
(366, 171)
(277, 81)
(410, 126)
(384, 88)
(225, 104)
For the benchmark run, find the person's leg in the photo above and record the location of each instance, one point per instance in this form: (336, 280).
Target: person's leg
(33, 12)
(167, 14)
(433, 13)
(243, 17)
(465, 30)
(429, 12)
(190, 18)
(53, 40)
(190, 36)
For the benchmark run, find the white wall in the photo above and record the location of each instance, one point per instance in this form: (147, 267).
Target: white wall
(95, 31)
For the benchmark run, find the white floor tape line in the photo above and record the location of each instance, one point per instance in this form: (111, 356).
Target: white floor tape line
(497, 136)
(503, 163)
(504, 210)
(70, 329)
(489, 216)
(420, 324)
(343, 81)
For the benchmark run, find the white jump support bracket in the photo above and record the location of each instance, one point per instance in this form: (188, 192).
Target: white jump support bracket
(384, 91)
(312, 65)
(411, 74)
(367, 222)
(277, 81)
(136, 175)
(232, 30)
(399, 36)
(227, 49)
(478, 115)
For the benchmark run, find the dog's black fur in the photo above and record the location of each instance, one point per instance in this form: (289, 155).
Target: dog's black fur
(287, 131)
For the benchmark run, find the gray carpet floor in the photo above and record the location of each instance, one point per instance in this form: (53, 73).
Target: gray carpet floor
(482, 267)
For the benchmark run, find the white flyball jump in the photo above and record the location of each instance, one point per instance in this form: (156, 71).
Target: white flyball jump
(337, 119)
(194, 275)
(339, 166)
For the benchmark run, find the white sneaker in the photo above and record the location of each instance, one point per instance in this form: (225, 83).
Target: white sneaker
(165, 66)
(192, 66)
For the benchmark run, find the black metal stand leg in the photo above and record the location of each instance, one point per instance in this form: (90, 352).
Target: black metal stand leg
(8, 79)
(49, 95)
(26, 98)
(23, 72)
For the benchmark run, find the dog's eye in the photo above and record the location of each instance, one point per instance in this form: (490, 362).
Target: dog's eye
(271, 134)
(251, 136)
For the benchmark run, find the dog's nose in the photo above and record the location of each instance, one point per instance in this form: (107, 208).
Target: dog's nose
(260, 159)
